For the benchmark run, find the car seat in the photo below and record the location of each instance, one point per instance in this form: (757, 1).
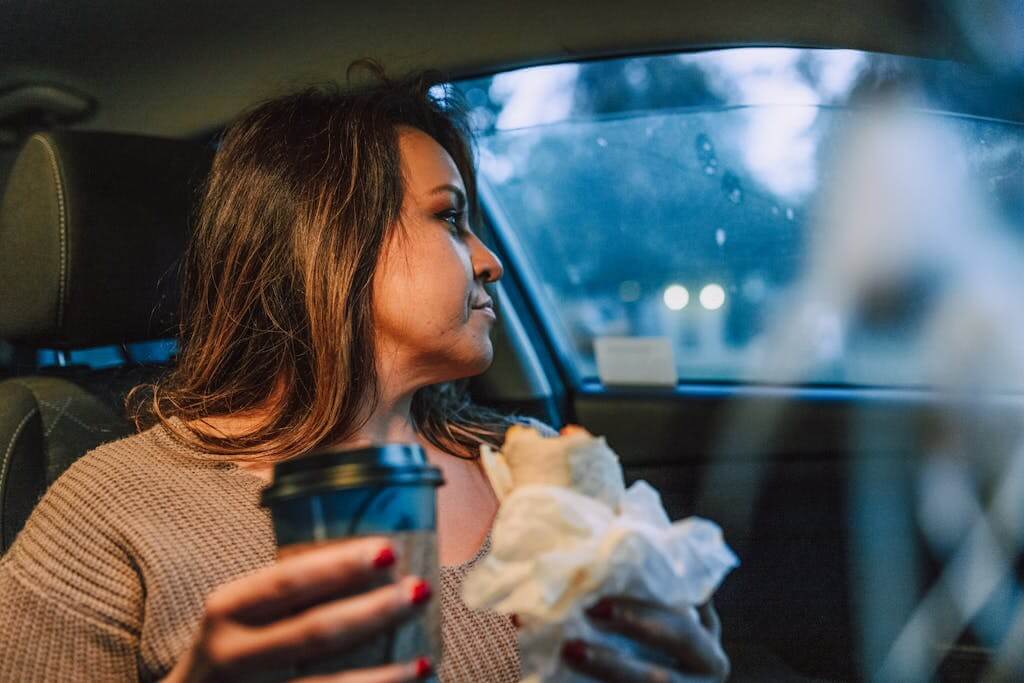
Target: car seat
(92, 226)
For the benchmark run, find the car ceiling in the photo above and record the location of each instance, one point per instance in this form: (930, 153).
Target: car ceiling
(185, 67)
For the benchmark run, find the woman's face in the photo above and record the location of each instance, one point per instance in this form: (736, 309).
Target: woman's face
(433, 317)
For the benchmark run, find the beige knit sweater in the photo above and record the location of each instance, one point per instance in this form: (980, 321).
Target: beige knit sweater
(106, 582)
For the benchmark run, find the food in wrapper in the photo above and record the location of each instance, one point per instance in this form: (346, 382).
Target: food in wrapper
(568, 532)
(576, 460)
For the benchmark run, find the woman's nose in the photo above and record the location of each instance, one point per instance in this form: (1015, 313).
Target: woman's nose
(486, 265)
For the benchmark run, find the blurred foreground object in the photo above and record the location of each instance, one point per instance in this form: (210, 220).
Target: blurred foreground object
(915, 262)
(913, 272)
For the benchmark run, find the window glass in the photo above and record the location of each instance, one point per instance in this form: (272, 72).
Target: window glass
(676, 195)
(159, 352)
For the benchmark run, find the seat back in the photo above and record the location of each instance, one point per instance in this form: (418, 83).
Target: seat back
(92, 226)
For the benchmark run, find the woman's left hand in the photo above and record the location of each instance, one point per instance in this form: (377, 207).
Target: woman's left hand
(691, 639)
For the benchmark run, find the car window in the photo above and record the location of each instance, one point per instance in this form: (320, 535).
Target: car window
(159, 352)
(674, 196)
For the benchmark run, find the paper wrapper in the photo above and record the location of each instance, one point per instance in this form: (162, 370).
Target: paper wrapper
(556, 551)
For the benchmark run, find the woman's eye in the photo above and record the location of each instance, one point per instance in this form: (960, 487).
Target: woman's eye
(453, 218)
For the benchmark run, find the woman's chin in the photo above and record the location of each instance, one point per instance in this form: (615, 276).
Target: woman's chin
(467, 358)
(481, 365)
(474, 365)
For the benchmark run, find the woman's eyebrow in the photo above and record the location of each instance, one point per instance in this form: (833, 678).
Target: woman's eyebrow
(460, 196)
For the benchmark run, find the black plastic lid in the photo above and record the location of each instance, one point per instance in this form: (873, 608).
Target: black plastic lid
(386, 465)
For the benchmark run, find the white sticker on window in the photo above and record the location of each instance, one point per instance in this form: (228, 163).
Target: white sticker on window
(635, 361)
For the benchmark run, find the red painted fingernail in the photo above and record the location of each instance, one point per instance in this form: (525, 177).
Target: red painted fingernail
(574, 651)
(420, 592)
(516, 621)
(423, 668)
(385, 558)
(602, 609)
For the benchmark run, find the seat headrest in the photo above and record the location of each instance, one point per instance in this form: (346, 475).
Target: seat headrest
(92, 228)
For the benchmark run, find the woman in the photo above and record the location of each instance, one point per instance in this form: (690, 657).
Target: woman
(333, 292)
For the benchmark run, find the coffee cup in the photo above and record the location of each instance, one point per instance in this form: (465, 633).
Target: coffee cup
(386, 490)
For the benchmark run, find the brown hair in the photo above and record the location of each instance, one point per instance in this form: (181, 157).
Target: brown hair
(277, 279)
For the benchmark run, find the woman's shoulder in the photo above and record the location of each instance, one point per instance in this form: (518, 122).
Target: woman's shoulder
(128, 466)
(72, 550)
(138, 523)
(101, 473)
(97, 489)
(122, 483)
(116, 499)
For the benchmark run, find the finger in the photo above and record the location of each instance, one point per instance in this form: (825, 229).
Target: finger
(302, 579)
(676, 633)
(709, 619)
(331, 627)
(393, 673)
(606, 664)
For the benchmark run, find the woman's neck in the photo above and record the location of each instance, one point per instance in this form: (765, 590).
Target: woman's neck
(390, 422)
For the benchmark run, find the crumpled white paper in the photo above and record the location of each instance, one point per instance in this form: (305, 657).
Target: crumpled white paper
(555, 552)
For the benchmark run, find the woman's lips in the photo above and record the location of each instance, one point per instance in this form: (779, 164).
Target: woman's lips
(485, 306)
(487, 310)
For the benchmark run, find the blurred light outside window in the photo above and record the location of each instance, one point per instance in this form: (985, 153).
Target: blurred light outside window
(674, 195)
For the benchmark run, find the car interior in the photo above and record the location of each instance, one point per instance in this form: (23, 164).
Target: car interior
(109, 117)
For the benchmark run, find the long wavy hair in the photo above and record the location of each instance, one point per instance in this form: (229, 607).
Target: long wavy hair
(304, 192)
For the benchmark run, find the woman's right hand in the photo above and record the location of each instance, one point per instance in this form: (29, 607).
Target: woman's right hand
(290, 612)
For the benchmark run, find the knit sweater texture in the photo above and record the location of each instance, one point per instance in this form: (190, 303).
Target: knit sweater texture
(107, 580)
